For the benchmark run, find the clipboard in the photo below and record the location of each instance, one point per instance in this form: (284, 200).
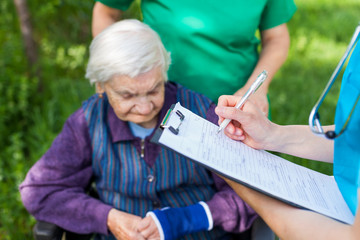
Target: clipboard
(163, 125)
(196, 139)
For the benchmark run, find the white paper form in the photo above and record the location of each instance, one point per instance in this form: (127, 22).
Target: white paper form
(198, 140)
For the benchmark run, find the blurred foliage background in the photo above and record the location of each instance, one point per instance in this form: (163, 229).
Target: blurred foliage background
(37, 98)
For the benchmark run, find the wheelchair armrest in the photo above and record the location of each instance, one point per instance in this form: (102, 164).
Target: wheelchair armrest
(47, 231)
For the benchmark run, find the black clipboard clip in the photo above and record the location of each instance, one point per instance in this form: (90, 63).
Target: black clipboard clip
(171, 128)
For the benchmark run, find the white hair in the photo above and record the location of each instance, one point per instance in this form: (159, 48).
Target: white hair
(128, 47)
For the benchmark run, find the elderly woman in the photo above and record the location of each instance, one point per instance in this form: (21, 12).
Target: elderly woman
(108, 139)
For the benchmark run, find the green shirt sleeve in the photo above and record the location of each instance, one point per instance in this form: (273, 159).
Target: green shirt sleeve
(277, 12)
(118, 4)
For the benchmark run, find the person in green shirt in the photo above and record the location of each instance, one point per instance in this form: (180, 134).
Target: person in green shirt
(213, 44)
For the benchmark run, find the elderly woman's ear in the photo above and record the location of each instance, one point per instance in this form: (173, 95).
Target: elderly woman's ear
(99, 89)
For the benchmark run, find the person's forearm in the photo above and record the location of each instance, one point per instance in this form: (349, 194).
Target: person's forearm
(275, 46)
(103, 16)
(292, 223)
(66, 207)
(298, 140)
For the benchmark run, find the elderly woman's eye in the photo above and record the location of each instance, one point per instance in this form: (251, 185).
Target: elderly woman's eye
(153, 92)
(127, 96)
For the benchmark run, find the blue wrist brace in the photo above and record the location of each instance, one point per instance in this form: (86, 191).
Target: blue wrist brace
(177, 222)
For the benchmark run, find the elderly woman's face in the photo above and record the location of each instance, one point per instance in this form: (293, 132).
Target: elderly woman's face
(138, 100)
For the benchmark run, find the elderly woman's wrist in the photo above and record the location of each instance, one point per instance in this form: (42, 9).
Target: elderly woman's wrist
(110, 219)
(177, 222)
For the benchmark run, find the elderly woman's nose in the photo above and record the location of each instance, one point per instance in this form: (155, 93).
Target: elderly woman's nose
(144, 106)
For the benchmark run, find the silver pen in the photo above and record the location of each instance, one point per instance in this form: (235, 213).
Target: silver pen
(257, 83)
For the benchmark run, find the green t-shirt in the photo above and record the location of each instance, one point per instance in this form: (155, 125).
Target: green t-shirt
(213, 45)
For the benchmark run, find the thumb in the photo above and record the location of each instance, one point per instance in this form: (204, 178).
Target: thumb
(144, 223)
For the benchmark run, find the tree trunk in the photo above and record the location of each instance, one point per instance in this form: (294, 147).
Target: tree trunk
(31, 49)
(26, 31)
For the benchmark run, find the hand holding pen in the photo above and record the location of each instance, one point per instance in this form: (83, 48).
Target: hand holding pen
(257, 83)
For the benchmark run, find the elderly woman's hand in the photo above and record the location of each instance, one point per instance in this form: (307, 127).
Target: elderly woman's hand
(148, 228)
(124, 225)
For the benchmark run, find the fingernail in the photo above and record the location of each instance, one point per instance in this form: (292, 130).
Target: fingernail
(218, 110)
(238, 132)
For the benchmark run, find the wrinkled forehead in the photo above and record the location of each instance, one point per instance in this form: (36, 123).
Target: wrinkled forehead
(142, 83)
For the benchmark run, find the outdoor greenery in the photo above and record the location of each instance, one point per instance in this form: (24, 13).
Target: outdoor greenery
(37, 98)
